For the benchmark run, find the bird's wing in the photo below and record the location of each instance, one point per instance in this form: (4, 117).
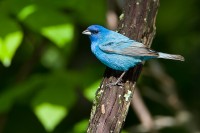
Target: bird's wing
(128, 48)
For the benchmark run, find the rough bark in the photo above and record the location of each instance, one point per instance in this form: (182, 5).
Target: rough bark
(111, 104)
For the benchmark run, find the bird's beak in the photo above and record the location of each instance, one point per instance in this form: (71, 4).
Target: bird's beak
(86, 32)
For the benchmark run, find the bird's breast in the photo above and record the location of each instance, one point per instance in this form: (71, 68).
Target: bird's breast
(114, 61)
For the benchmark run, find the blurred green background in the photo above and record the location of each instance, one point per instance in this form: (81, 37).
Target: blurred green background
(48, 76)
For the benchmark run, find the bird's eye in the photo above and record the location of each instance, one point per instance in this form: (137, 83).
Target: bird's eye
(95, 31)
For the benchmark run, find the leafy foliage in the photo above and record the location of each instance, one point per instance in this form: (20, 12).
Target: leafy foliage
(49, 76)
(10, 38)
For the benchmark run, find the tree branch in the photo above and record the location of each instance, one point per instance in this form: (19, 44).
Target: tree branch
(111, 105)
(142, 112)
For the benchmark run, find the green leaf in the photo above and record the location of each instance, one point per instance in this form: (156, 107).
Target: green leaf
(90, 91)
(53, 88)
(10, 39)
(57, 89)
(26, 11)
(55, 26)
(15, 6)
(20, 91)
(59, 34)
(81, 126)
(50, 115)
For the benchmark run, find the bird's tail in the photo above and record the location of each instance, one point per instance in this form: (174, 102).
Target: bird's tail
(170, 56)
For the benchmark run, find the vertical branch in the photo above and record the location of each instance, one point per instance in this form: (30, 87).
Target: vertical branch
(111, 105)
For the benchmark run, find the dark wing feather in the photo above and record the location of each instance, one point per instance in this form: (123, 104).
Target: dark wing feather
(129, 48)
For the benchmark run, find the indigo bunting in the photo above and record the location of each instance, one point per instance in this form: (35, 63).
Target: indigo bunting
(119, 52)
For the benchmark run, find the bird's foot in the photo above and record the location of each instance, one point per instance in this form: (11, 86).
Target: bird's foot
(117, 83)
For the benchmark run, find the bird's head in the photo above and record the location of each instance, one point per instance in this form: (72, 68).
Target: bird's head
(96, 32)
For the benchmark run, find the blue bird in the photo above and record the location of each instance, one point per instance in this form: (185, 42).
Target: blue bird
(119, 52)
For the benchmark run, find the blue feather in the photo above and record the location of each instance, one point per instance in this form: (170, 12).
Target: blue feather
(118, 51)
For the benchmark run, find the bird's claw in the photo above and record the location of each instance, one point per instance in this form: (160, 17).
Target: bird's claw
(118, 82)
(114, 84)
